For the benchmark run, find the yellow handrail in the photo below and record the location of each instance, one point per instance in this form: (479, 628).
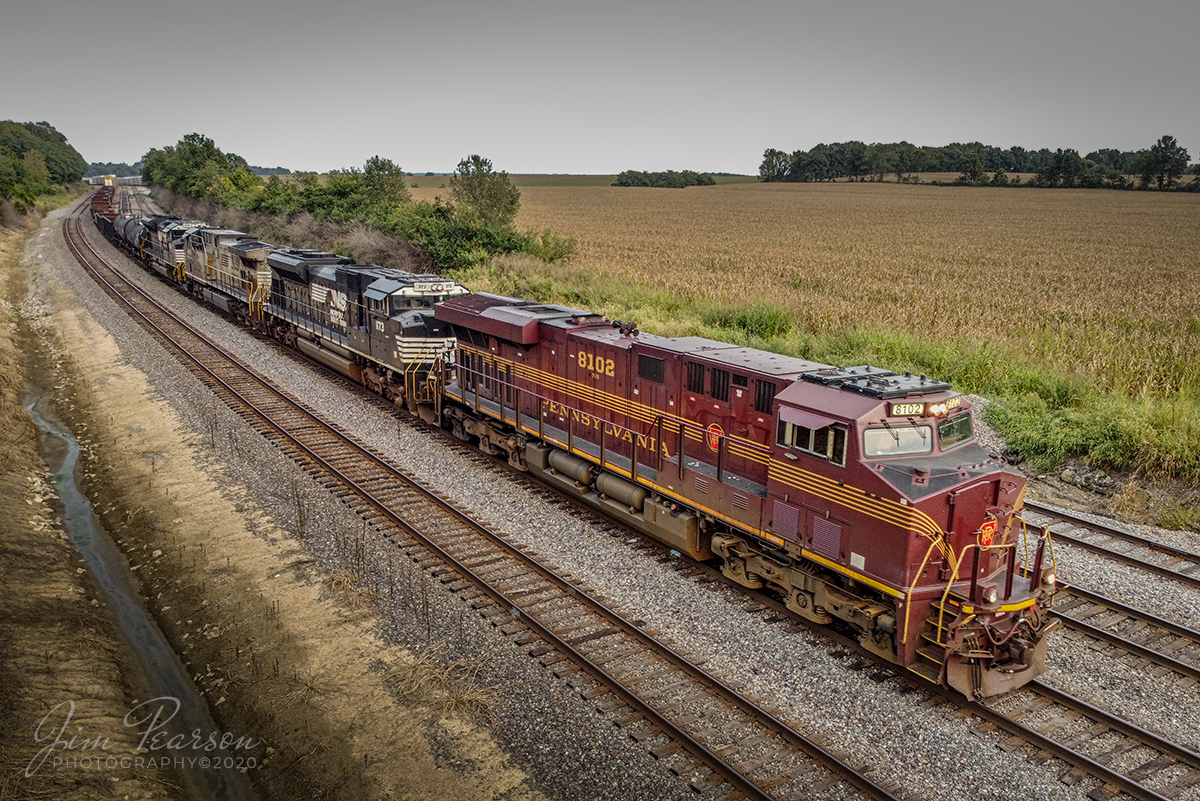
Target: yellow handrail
(954, 575)
(414, 366)
(936, 542)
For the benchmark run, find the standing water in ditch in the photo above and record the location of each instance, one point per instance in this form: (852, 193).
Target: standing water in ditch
(180, 712)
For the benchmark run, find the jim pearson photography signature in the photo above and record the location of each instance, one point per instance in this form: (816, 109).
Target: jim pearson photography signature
(157, 747)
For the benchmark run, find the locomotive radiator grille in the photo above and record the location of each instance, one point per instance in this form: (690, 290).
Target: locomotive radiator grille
(827, 538)
(787, 521)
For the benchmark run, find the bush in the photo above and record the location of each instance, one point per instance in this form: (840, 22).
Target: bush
(1158, 439)
(370, 211)
(551, 247)
(9, 216)
(1178, 516)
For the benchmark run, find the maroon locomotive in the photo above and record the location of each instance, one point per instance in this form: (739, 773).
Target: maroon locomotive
(856, 495)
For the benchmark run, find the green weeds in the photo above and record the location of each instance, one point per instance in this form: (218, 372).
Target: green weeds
(1047, 414)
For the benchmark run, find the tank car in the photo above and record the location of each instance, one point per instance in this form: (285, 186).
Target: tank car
(858, 496)
(129, 230)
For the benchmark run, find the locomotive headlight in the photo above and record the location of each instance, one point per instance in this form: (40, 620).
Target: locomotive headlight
(937, 408)
(1050, 578)
(990, 595)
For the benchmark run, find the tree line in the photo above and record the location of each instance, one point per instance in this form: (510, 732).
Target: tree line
(1160, 166)
(468, 228)
(117, 168)
(668, 180)
(120, 168)
(35, 160)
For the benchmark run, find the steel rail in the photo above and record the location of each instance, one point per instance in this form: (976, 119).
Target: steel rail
(1035, 738)
(1065, 752)
(1190, 578)
(1133, 613)
(697, 749)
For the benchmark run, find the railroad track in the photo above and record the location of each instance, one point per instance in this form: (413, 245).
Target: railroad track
(1166, 643)
(1157, 768)
(1129, 759)
(1115, 543)
(1088, 746)
(712, 736)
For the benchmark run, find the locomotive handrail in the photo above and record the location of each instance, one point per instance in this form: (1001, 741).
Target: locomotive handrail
(472, 377)
(258, 300)
(978, 548)
(935, 542)
(1047, 535)
(413, 367)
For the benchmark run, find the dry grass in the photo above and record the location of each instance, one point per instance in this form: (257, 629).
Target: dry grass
(348, 592)
(10, 218)
(1077, 307)
(444, 688)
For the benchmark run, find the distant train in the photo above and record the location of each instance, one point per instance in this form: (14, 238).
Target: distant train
(113, 180)
(859, 497)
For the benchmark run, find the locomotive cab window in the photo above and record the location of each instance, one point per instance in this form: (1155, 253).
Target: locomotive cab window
(897, 441)
(827, 442)
(954, 431)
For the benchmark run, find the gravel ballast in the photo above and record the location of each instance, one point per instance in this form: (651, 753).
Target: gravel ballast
(924, 748)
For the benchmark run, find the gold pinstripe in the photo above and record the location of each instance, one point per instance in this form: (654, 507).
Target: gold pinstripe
(623, 406)
(884, 509)
(893, 591)
(888, 511)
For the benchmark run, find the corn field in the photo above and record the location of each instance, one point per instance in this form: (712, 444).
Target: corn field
(1098, 283)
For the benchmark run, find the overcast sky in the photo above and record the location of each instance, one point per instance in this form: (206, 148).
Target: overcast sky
(599, 86)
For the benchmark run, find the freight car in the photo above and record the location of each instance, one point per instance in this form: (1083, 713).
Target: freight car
(859, 497)
(856, 495)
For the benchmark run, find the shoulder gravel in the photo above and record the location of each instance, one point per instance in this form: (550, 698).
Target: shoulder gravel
(923, 747)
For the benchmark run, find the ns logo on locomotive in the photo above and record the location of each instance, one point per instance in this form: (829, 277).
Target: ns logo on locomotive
(858, 496)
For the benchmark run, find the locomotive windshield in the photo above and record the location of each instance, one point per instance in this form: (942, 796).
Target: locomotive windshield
(897, 441)
(955, 430)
